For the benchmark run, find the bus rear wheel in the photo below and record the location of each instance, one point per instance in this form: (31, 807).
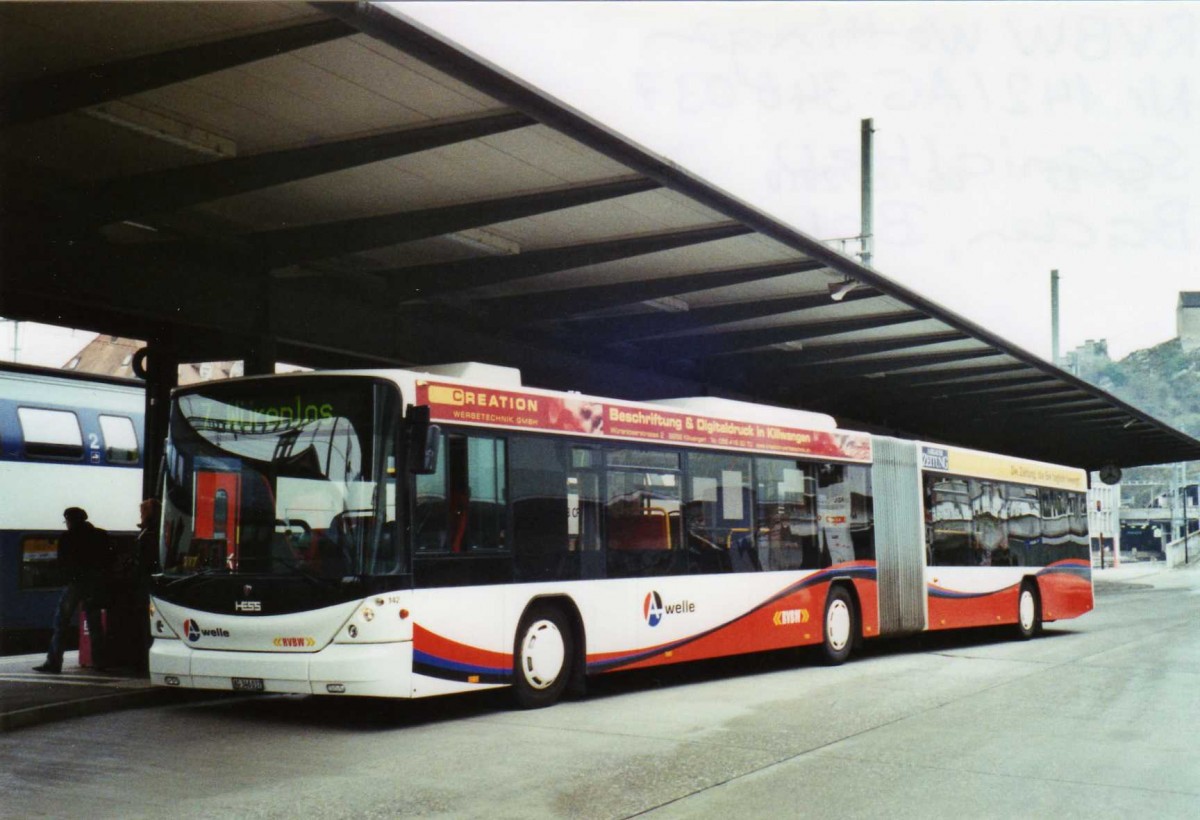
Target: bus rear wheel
(542, 657)
(1029, 613)
(840, 626)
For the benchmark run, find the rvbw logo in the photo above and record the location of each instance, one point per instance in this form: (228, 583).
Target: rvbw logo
(654, 611)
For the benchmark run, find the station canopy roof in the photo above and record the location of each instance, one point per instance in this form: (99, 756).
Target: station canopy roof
(339, 186)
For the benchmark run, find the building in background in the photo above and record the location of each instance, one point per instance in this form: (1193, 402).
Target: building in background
(1187, 320)
(1087, 360)
(113, 356)
(1104, 517)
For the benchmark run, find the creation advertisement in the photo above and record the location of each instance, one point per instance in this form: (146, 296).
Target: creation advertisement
(466, 404)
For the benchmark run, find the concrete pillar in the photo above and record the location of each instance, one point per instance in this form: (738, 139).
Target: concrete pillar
(261, 357)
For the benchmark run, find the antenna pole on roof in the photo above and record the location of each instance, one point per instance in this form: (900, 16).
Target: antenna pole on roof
(868, 170)
(1054, 317)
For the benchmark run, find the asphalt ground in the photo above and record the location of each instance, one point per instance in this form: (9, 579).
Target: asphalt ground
(29, 698)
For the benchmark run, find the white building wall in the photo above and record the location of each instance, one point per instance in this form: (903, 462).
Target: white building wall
(1104, 506)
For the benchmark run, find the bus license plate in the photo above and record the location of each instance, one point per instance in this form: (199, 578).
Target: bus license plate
(248, 685)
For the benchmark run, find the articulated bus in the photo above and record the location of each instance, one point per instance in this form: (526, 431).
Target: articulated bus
(408, 534)
(65, 441)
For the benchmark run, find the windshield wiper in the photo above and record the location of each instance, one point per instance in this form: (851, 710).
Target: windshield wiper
(299, 570)
(204, 573)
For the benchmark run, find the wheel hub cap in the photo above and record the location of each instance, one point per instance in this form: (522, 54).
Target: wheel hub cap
(542, 654)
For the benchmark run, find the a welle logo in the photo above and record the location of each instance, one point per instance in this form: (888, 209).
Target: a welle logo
(195, 632)
(653, 609)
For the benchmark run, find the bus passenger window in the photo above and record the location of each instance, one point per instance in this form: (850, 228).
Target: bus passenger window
(430, 511)
(541, 510)
(462, 508)
(989, 529)
(786, 520)
(642, 513)
(1023, 515)
(718, 525)
(585, 511)
(948, 521)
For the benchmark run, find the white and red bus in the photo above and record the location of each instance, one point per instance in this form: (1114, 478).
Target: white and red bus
(407, 534)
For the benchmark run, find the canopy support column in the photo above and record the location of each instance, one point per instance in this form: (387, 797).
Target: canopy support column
(158, 364)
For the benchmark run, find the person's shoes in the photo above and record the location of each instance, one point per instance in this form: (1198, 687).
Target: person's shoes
(47, 668)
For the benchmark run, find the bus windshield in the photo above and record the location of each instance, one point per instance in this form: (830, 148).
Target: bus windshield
(289, 476)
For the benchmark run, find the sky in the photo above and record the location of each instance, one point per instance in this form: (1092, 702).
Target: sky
(1011, 138)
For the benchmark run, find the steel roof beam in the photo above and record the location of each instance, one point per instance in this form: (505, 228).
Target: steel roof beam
(856, 369)
(1059, 413)
(649, 325)
(557, 304)
(176, 188)
(93, 84)
(995, 387)
(764, 359)
(1053, 394)
(989, 396)
(699, 346)
(979, 401)
(423, 281)
(306, 243)
(948, 377)
(938, 378)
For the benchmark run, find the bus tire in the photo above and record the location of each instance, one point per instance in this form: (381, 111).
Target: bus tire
(839, 626)
(1029, 612)
(542, 657)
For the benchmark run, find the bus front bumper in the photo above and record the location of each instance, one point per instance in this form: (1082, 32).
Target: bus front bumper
(379, 670)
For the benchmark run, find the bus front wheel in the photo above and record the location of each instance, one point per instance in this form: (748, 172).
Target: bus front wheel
(840, 626)
(541, 657)
(1029, 613)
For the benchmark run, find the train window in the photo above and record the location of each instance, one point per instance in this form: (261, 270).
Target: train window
(120, 440)
(50, 433)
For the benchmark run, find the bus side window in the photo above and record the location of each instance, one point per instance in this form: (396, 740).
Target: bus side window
(585, 511)
(463, 506)
(430, 511)
(642, 513)
(718, 517)
(541, 512)
(785, 498)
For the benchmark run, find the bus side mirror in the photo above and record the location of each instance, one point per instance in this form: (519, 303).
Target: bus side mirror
(424, 442)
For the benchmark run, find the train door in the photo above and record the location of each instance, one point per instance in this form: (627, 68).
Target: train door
(217, 504)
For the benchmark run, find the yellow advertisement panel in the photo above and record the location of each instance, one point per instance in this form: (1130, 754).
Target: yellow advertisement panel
(1001, 468)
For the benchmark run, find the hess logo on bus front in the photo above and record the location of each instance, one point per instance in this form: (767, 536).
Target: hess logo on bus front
(654, 611)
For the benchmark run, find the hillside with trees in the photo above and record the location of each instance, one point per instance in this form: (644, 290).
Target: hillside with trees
(1163, 381)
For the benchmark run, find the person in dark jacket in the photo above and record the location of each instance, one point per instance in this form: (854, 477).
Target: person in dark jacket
(84, 556)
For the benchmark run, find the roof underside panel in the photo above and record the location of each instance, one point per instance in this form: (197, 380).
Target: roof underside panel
(339, 183)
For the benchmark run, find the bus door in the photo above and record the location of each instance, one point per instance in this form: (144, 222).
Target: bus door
(216, 524)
